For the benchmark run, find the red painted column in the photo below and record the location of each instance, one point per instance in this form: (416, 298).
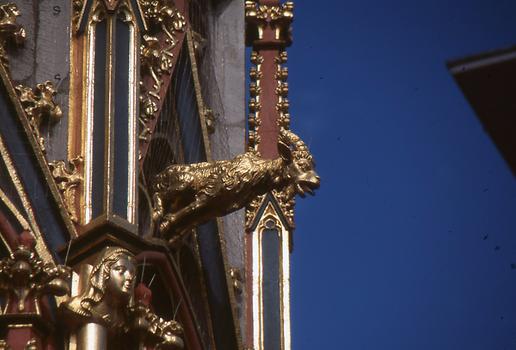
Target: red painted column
(268, 33)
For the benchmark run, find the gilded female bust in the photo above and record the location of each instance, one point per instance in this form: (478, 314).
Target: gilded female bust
(109, 289)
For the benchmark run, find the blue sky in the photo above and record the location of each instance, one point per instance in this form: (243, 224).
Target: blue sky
(392, 252)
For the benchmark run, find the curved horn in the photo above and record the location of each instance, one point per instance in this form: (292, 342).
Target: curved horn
(293, 139)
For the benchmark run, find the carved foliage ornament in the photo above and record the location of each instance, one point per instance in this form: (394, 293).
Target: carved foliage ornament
(156, 56)
(10, 31)
(68, 180)
(153, 329)
(255, 90)
(39, 105)
(24, 278)
(254, 10)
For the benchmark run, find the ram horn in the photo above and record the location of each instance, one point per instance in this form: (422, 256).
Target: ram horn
(290, 138)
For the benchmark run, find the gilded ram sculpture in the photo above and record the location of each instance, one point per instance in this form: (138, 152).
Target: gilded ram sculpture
(188, 195)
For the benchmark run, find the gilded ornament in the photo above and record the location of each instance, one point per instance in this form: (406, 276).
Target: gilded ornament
(10, 31)
(254, 105)
(285, 197)
(236, 280)
(287, 201)
(282, 73)
(210, 119)
(153, 329)
(39, 104)
(68, 180)
(99, 12)
(77, 9)
(4, 345)
(25, 278)
(123, 12)
(31, 345)
(255, 74)
(111, 4)
(199, 42)
(264, 12)
(252, 209)
(156, 56)
(187, 195)
(282, 89)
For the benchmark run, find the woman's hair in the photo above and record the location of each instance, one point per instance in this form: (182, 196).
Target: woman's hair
(96, 285)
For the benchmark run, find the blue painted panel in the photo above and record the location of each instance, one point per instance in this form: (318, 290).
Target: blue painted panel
(99, 121)
(188, 113)
(45, 208)
(121, 149)
(271, 289)
(208, 236)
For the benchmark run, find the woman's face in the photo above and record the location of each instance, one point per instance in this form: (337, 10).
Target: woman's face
(121, 277)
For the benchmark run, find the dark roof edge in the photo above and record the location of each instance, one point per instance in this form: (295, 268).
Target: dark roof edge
(481, 60)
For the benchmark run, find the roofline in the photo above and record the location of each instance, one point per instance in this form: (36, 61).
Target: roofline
(481, 60)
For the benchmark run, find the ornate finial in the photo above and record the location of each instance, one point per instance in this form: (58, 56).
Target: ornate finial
(272, 15)
(68, 179)
(10, 31)
(25, 278)
(38, 104)
(269, 12)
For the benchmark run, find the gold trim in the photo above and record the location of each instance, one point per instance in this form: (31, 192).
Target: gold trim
(134, 74)
(271, 215)
(124, 12)
(21, 325)
(97, 15)
(255, 89)
(109, 132)
(41, 247)
(21, 220)
(198, 94)
(89, 92)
